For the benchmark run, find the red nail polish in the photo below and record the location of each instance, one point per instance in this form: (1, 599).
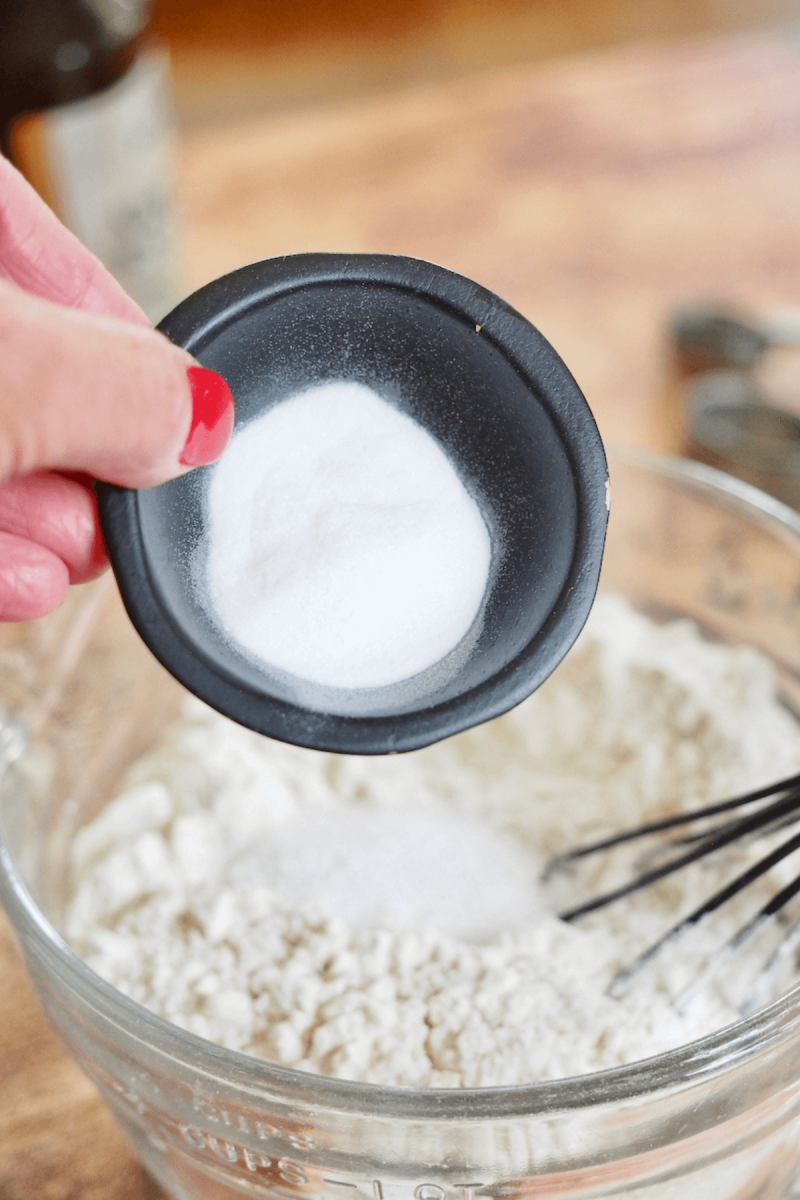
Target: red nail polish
(212, 417)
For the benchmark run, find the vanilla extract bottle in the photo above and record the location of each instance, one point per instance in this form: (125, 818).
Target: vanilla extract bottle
(85, 113)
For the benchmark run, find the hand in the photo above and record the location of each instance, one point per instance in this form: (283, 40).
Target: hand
(88, 390)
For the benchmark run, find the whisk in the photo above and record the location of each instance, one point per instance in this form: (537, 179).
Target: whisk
(774, 807)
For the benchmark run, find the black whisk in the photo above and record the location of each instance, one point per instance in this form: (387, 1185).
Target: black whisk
(777, 806)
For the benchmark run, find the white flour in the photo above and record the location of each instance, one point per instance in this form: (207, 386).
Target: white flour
(343, 547)
(381, 919)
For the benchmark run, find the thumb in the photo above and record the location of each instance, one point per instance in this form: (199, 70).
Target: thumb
(84, 392)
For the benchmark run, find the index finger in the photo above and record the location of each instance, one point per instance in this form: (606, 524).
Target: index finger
(41, 256)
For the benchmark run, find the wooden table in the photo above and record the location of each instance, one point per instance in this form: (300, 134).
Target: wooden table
(594, 194)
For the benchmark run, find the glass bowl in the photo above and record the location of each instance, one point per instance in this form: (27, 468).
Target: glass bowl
(719, 1118)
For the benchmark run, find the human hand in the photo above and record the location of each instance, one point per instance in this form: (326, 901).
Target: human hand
(88, 390)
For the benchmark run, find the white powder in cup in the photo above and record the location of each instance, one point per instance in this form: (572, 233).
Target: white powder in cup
(343, 547)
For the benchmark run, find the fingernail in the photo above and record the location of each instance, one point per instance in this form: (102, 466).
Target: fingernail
(212, 417)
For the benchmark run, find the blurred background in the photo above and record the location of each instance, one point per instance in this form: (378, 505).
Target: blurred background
(625, 173)
(240, 57)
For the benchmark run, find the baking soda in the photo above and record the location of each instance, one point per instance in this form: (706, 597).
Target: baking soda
(382, 920)
(343, 547)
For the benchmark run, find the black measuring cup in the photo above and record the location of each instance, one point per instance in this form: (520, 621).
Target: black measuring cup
(503, 407)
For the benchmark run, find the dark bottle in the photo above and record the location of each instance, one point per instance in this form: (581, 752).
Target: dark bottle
(85, 113)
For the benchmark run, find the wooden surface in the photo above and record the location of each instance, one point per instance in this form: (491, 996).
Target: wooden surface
(594, 195)
(234, 58)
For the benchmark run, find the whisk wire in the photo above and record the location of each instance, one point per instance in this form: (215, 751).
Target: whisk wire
(788, 944)
(739, 939)
(711, 841)
(716, 901)
(650, 827)
(782, 812)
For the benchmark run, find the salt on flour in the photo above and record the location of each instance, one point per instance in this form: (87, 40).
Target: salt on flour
(381, 920)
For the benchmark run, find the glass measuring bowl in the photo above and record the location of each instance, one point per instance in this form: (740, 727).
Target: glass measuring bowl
(718, 1119)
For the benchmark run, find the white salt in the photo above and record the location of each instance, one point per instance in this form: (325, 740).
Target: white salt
(343, 547)
(407, 869)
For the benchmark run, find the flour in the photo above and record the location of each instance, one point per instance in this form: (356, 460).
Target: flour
(381, 920)
(343, 547)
